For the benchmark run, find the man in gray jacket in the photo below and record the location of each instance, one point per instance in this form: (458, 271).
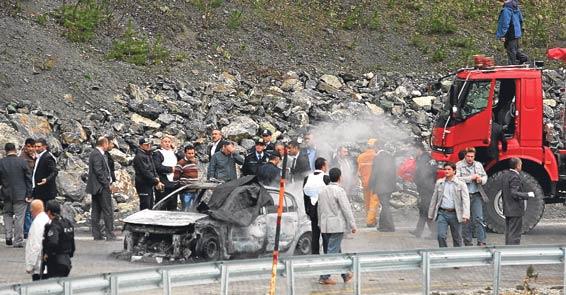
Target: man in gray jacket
(335, 217)
(472, 173)
(223, 164)
(99, 186)
(15, 179)
(449, 206)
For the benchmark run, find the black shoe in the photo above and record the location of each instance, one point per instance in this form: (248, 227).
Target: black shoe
(8, 242)
(19, 245)
(111, 238)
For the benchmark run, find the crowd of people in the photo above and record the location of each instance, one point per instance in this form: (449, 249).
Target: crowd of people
(453, 202)
(28, 191)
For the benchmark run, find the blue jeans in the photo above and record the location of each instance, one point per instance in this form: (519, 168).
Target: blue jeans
(187, 199)
(444, 220)
(332, 243)
(476, 214)
(27, 221)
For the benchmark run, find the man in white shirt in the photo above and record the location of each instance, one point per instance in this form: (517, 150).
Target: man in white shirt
(34, 245)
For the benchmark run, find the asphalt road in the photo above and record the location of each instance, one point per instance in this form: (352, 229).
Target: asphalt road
(94, 257)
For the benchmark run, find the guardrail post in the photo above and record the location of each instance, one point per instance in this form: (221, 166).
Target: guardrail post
(114, 290)
(425, 265)
(166, 282)
(290, 277)
(23, 290)
(564, 273)
(68, 290)
(496, 271)
(357, 275)
(224, 279)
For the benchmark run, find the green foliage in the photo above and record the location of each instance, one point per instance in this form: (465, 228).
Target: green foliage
(440, 22)
(235, 19)
(374, 22)
(353, 18)
(207, 7)
(42, 19)
(81, 19)
(420, 42)
(136, 49)
(461, 42)
(439, 54)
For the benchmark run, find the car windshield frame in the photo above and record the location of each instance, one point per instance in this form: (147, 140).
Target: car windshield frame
(458, 96)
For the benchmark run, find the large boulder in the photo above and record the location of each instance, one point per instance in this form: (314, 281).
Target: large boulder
(124, 185)
(70, 184)
(239, 128)
(32, 125)
(144, 122)
(72, 132)
(9, 134)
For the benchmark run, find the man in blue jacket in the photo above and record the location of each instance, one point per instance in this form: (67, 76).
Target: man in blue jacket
(509, 30)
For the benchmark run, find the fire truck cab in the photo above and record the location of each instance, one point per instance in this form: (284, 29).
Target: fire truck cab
(499, 111)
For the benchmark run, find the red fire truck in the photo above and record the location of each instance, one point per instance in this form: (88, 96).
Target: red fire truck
(499, 111)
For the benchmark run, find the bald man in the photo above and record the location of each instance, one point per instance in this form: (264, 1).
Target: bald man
(34, 242)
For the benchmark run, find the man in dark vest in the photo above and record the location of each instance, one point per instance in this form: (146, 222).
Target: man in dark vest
(58, 242)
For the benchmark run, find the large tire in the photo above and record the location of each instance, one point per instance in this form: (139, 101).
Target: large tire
(304, 244)
(208, 248)
(493, 210)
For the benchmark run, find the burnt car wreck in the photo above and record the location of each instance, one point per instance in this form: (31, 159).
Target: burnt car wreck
(230, 220)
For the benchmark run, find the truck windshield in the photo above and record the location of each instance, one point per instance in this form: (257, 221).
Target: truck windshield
(470, 97)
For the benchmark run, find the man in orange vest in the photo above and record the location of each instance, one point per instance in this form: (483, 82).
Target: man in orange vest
(365, 161)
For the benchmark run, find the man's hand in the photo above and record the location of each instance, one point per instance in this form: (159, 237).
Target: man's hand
(502, 39)
(531, 194)
(354, 230)
(42, 182)
(28, 271)
(466, 220)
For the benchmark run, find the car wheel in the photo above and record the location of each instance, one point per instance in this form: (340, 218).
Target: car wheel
(209, 247)
(304, 244)
(128, 241)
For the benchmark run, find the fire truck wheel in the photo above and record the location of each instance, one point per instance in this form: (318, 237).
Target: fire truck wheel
(493, 210)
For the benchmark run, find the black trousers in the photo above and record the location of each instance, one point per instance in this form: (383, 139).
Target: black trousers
(102, 206)
(514, 54)
(171, 204)
(58, 266)
(513, 230)
(312, 212)
(145, 194)
(385, 217)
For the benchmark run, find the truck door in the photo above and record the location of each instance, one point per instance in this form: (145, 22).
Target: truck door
(474, 112)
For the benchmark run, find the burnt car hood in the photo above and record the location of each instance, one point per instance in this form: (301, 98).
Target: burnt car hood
(164, 218)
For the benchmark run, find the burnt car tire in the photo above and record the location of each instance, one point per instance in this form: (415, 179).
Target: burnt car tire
(209, 247)
(493, 210)
(304, 244)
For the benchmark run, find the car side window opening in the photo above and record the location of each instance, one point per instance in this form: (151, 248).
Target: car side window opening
(476, 99)
(504, 110)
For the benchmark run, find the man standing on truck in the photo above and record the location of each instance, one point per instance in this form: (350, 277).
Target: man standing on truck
(513, 196)
(509, 31)
(449, 206)
(472, 173)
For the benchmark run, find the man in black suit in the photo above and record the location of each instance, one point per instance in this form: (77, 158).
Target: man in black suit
(99, 186)
(44, 173)
(15, 179)
(299, 162)
(255, 159)
(383, 182)
(514, 197)
(269, 174)
(216, 144)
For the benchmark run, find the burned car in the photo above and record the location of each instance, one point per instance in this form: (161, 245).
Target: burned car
(229, 220)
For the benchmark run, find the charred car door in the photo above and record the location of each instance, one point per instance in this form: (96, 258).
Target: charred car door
(248, 239)
(289, 222)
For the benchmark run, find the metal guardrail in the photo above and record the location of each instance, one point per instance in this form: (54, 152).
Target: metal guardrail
(168, 277)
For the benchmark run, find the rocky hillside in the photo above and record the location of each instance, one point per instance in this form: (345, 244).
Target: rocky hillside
(72, 72)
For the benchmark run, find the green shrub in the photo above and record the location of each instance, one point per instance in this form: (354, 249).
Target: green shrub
(353, 18)
(439, 21)
(461, 42)
(42, 19)
(136, 49)
(374, 22)
(439, 54)
(235, 19)
(81, 19)
(419, 42)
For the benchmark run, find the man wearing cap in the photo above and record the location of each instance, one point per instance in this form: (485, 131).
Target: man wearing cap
(255, 159)
(269, 145)
(146, 175)
(365, 164)
(270, 174)
(223, 164)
